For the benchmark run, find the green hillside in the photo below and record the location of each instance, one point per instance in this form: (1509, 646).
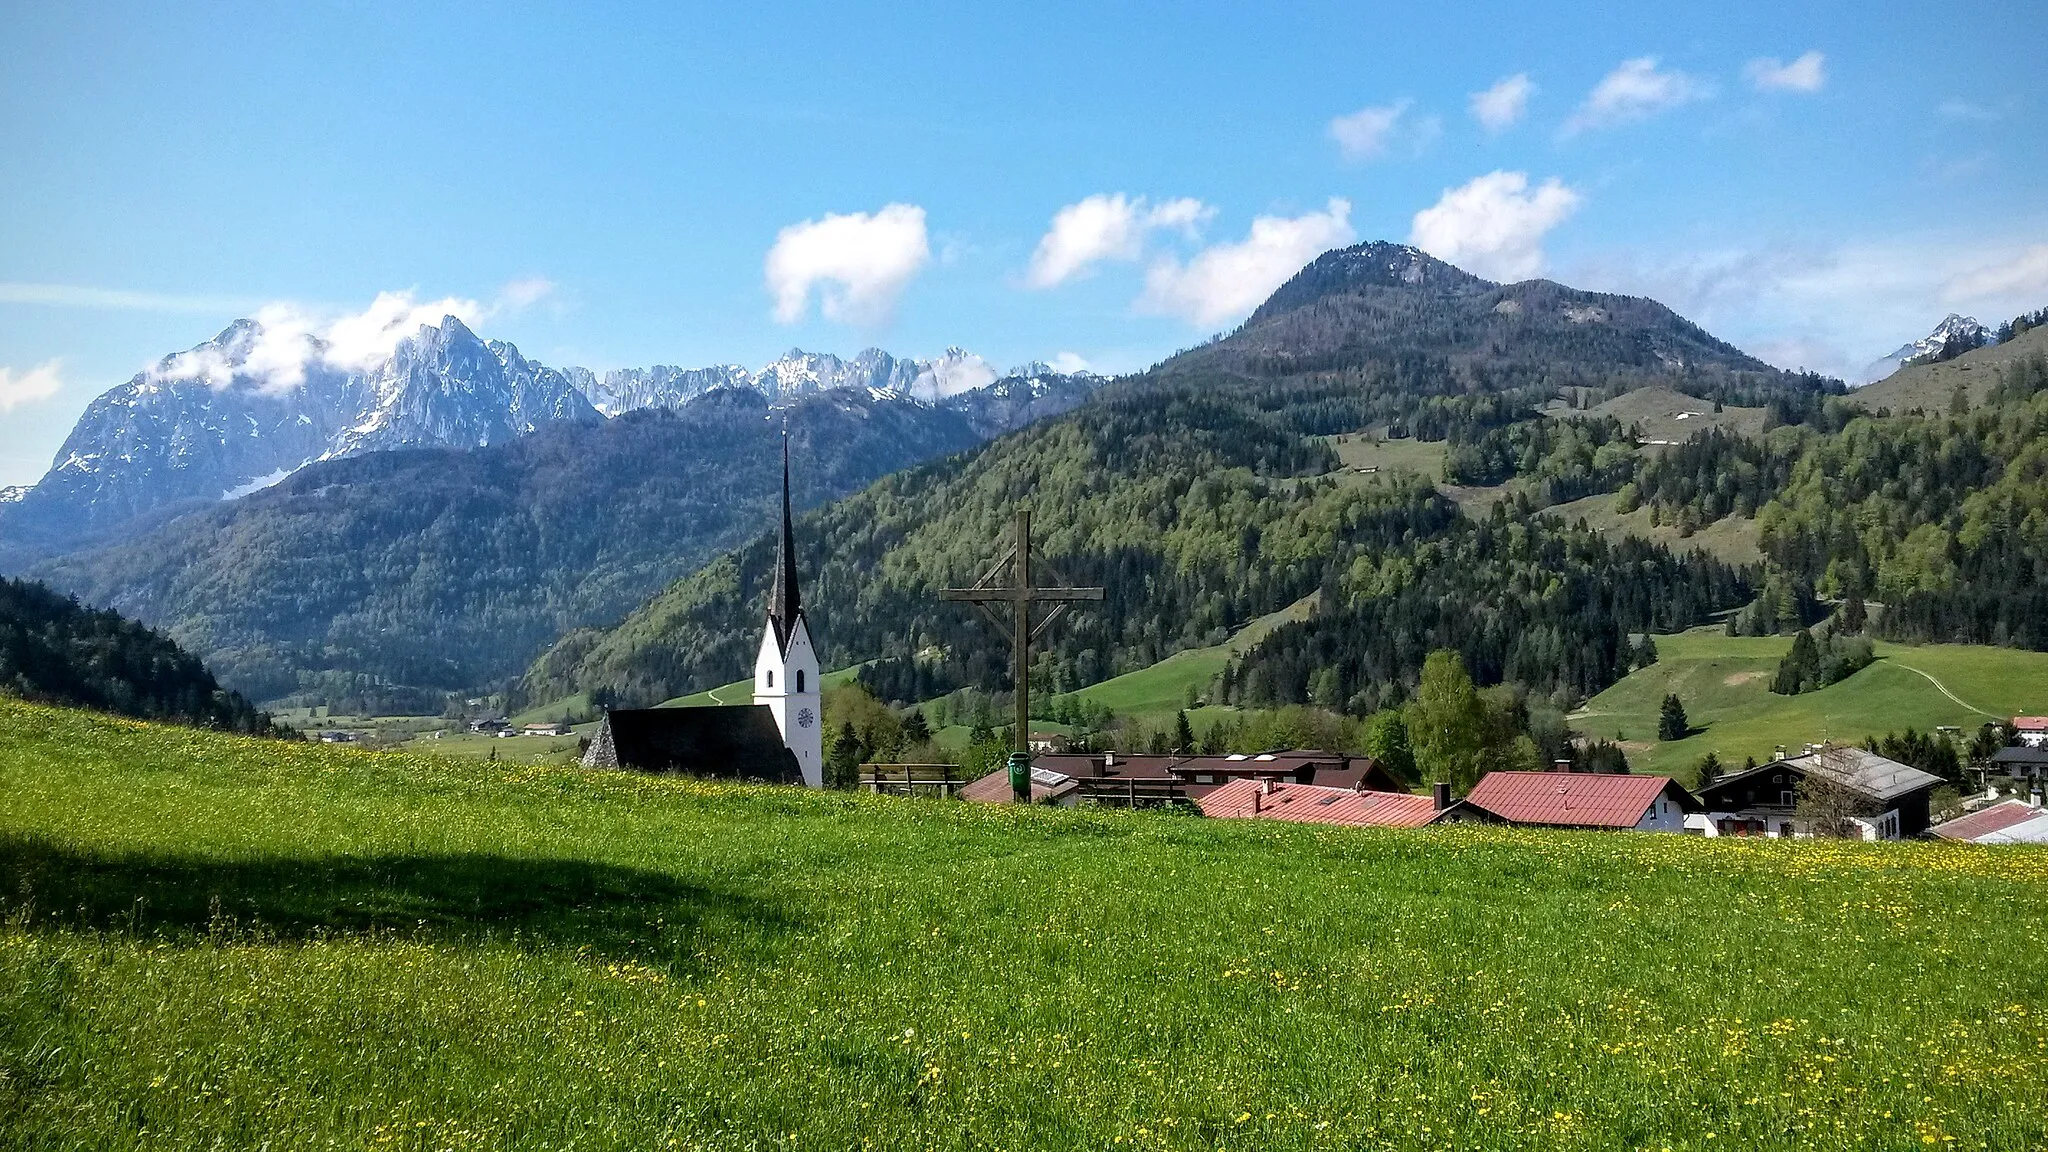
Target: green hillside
(1218, 487)
(215, 942)
(383, 582)
(1154, 694)
(1724, 683)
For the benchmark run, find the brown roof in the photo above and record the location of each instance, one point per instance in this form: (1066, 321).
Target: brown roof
(1313, 804)
(994, 788)
(1573, 799)
(1984, 821)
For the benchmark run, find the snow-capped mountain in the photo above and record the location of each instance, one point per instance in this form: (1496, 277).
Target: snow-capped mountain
(241, 412)
(1951, 338)
(662, 386)
(248, 408)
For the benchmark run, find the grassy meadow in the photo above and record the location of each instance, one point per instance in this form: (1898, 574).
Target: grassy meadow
(1724, 682)
(214, 942)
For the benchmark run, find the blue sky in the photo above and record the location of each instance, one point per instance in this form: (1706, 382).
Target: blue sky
(603, 185)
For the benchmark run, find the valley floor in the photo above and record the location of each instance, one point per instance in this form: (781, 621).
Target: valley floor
(208, 941)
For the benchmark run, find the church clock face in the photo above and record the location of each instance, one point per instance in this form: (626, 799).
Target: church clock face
(804, 718)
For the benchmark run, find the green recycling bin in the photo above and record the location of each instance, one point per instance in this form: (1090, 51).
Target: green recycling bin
(1020, 776)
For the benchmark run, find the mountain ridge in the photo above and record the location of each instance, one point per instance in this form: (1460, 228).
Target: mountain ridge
(243, 410)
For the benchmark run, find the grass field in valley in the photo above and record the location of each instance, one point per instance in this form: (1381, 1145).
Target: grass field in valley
(215, 942)
(1724, 682)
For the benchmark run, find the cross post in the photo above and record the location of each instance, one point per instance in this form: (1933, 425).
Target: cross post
(1022, 593)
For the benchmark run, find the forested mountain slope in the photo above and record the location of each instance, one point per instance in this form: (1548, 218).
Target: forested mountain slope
(1943, 517)
(1195, 495)
(54, 651)
(395, 577)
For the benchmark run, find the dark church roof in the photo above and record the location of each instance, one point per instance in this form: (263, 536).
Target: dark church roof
(740, 742)
(785, 601)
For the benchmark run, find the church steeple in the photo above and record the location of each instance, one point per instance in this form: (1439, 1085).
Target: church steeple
(785, 601)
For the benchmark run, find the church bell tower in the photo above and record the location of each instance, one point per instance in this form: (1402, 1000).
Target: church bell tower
(786, 671)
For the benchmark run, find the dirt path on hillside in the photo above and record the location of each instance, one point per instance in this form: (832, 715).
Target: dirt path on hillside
(1943, 689)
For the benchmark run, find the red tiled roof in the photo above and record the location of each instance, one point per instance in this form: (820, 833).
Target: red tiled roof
(2001, 815)
(2031, 723)
(1313, 804)
(1568, 799)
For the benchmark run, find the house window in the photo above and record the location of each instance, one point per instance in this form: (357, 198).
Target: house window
(1785, 799)
(799, 679)
(771, 678)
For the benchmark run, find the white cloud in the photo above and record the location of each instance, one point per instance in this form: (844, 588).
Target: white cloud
(1226, 281)
(1955, 109)
(38, 383)
(1806, 74)
(75, 296)
(859, 263)
(1372, 132)
(2025, 275)
(291, 338)
(1106, 227)
(1834, 309)
(1498, 108)
(525, 292)
(1068, 363)
(1635, 91)
(1493, 226)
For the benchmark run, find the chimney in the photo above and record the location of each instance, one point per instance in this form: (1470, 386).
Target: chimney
(1443, 795)
(1257, 795)
(1561, 765)
(1779, 754)
(1109, 758)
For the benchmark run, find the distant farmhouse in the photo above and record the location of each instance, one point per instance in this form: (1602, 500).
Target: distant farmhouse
(2033, 730)
(2006, 822)
(2024, 766)
(778, 739)
(1584, 800)
(1830, 790)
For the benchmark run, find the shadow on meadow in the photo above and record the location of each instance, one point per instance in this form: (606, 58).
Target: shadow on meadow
(616, 912)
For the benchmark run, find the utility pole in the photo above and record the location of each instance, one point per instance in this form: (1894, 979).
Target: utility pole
(1021, 594)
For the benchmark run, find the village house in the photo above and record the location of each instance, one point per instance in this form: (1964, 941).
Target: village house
(556, 728)
(1145, 781)
(2006, 822)
(1246, 798)
(2024, 767)
(488, 724)
(1584, 800)
(2033, 730)
(1846, 791)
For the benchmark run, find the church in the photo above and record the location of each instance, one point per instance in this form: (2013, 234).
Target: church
(778, 739)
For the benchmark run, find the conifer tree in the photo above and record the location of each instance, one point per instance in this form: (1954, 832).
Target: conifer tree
(1671, 721)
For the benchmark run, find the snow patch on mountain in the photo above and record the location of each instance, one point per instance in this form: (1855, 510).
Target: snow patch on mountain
(262, 482)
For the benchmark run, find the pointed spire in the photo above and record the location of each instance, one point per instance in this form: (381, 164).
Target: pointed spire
(785, 602)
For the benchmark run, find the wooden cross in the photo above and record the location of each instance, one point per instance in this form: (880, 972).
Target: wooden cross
(1021, 595)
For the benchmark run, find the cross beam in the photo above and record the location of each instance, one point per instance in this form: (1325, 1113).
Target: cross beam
(1021, 594)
